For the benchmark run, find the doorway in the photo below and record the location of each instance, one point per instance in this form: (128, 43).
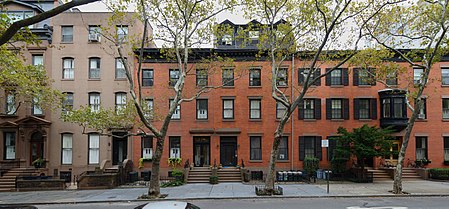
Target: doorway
(228, 150)
(201, 151)
(392, 159)
(119, 148)
(36, 147)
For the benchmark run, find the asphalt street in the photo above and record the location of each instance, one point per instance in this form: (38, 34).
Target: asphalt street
(289, 203)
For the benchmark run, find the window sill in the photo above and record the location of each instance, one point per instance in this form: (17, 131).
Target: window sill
(337, 86)
(445, 120)
(94, 42)
(94, 79)
(254, 87)
(393, 86)
(337, 120)
(175, 119)
(120, 79)
(40, 116)
(421, 120)
(255, 120)
(8, 116)
(309, 120)
(63, 42)
(65, 79)
(282, 86)
(227, 87)
(282, 161)
(365, 120)
(445, 85)
(256, 161)
(228, 120)
(365, 86)
(202, 120)
(147, 87)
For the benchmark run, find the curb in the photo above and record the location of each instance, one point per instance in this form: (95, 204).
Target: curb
(233, 198)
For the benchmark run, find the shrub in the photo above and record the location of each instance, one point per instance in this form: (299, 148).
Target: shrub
(439, 173)
(311, 164)
(213, 179)
(339, 165)
(172, 184)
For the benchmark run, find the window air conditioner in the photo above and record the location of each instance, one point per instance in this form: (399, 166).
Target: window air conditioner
(421, 116)
(94, 37)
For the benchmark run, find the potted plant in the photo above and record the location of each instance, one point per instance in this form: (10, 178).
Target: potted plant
(38, 163)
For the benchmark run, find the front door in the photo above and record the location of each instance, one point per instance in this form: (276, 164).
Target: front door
(201, 152)
(36, 147)
(392, 159)
(228, 151)
(119, 149)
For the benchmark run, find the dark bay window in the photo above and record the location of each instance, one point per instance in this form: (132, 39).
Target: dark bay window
(254, 77)
(283, 148)
(310, 109)
(282, 77)
(337, 77)
(228, 108)
(147, 147)
(394, 107)
(174, 76)
(255, 147)
(255, 108)
(303, 73)
(201, 109)
(364, 77)
(147, 77)
(446, 148)
(175, 146)
(310, 146)
(365, 109)
(337, 109)
(421, 147)
(445, 108)
(228, 77)
(201, 77)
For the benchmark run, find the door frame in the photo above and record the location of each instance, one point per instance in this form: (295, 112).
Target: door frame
(40, 146)
(225, 141)
(115, 145)
(195, 142)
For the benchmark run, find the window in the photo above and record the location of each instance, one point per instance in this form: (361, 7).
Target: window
(254, 77)
(10, 103)
(364, 77)
(309, 109)
(423, 111)
(15, 16)
(67, 103)
(201, 109)
(337, 77)
(226, 40)
(398, 106)
(283, 149)
(310, 146)
(445, 108)
(38, 59)
(255, 147)
(280, 110)
(228, 109)
(386, 106)
(120, 102)
(10, 145)
(393, 107)
(255, 108)
(177, 114)
(94, 68)
(94, 102)
(303, 73)
(392, 78)
(201, 77)
(445, 76)
(337, 109)
(174, 76)
(67, 34)
(37, 110)
(147, 147)
(120, 71)
(94, 33)
(446, 148)
(175, 146)
(147, 77)
(282, 77)
(94, 148)
(421, 147)
(149, 108)
(68, 68)
(417, 74)
(254, 34)
(365, 109)
(66, 149)
(122, 33)
(228, 77)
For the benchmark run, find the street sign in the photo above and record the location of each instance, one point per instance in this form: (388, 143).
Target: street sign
(325, 143)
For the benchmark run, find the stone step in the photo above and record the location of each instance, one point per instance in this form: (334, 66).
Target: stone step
(197, 181)
(7, 189)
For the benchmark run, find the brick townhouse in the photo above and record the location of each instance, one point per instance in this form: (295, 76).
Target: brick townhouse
(235, 123)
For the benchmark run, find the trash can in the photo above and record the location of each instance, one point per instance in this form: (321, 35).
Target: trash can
(285, 174)
(326, 174)
(145, 175)
(319, 174)
(133, 177)
(280, 177)
(290, 176)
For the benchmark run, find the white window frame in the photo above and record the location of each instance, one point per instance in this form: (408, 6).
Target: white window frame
(94, 149)
(10, 145)
(147, 152)
(120, 102)
(255, 109)
(201, 113)
(417, 75)
(177, 114)
(228, 108)
(68, 68)
(122, 33)
(94, 68)
(10, 108)
(66, 34)
(37, 60)
(280, 110)
(37, 110)
(120, 71)
(94, 101)
(66, 149)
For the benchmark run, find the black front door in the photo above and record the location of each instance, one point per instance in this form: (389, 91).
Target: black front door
(119, 149)
(228, 151)
(201, 152)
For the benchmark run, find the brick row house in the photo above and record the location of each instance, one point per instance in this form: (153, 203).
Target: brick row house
(235, 124)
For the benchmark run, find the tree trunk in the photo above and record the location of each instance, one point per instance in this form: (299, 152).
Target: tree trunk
(155, 189)
(271, 176)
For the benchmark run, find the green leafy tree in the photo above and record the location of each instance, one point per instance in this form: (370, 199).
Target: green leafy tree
(420, 26)
(364, 143)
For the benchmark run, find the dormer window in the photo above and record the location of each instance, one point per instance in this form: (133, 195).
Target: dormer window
(254, 34)
(15, 16)
(226, 40)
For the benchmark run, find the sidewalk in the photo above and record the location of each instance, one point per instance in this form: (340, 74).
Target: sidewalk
(226, 190)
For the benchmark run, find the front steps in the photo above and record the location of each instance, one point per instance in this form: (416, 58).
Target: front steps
(8, 180)
(202, 174)
(408, 174)
(380, 175)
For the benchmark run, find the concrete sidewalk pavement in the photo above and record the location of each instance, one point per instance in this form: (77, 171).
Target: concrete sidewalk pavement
(225, 190)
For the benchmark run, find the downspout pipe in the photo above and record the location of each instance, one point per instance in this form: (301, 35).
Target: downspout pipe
(293, 118)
